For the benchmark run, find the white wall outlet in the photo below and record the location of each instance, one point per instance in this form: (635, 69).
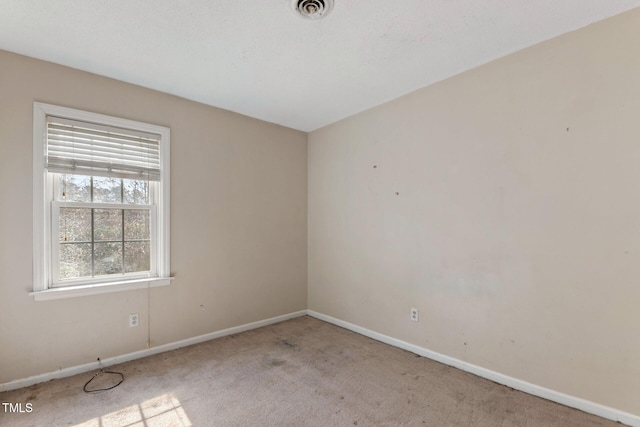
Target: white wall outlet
(414, 314)
(134, 320)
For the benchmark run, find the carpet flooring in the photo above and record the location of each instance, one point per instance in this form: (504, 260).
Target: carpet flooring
(302, 372)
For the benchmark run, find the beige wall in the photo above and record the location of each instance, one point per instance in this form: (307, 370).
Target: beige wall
(238, 224)
(516, 231)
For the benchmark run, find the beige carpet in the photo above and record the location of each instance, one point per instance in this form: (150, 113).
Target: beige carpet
(303, 372)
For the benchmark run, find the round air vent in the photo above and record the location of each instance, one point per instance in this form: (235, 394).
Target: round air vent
(312, 9)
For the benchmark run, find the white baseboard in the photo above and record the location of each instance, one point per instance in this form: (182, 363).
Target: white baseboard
(79, 369)
(545, 393)
(535, 390)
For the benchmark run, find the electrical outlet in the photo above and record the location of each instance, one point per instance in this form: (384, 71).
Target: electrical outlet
(414, 314)
(134, 320)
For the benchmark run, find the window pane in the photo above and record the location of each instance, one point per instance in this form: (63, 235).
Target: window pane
(136, 224)
(137, 257)
(107, 224)
(75, 260)
(108, 258)
(74, 188)
(107, 190)
(75, 225)
(136, 191)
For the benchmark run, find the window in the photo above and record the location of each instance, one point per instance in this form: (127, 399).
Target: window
(101, 203)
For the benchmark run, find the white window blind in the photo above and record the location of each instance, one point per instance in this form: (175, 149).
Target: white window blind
(85, 148)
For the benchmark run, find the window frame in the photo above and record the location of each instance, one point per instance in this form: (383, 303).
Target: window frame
(43, 213)
(57, 282)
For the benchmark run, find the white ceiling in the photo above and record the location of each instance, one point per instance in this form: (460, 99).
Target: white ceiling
(257, 58)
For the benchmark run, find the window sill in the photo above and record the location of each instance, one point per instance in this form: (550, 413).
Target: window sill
(100, 288)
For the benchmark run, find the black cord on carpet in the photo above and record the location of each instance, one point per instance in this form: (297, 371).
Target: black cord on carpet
(97, 374)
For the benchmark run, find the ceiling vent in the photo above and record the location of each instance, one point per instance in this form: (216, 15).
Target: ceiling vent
(312, 9)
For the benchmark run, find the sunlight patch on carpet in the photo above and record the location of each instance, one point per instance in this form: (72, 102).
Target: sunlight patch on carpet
(164, 410)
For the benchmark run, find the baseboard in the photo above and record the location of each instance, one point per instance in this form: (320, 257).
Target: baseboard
(79, 369)
(535, 390)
